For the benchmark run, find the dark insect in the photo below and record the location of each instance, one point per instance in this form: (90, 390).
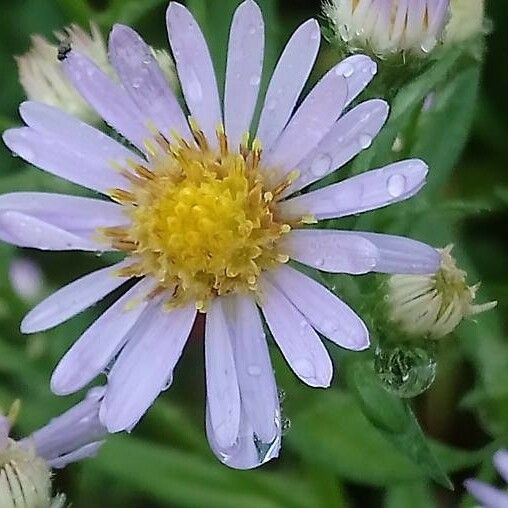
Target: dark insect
(64, 48)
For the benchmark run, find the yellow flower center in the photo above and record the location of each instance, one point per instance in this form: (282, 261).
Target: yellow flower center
(203, 222)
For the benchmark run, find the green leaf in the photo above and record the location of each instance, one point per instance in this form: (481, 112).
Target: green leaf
(333, 433)
(183, 479)
(416, 495)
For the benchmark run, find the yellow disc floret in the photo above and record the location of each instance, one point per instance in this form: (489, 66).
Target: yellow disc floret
(203, 222)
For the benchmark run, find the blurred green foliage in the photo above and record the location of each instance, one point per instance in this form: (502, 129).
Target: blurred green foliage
(355, 444)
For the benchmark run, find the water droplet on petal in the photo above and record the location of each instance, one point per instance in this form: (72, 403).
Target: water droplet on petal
(255, 80)
(344, 32)
(194, 90)
(345, 69)
(271, 105)
(319, 262)
(254, 370)
(321, 165)
(304, 367)
(365, 140)
(252, 29)
(396, 185)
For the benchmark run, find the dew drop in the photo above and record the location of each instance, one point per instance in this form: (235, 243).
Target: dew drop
(285, 426)
(194, 90)
(396, 185)
(254, 370)
(344, 33)
(304, 367)
(321, 165)
(255, 80)
(252, 29)
(319, 262)
(271, 105)
(314, 36)
(405, 370)
(365, 140)
(346, 70)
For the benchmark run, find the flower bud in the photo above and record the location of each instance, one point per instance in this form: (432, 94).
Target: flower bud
(388, 27)
(42, 77)
(433, 305)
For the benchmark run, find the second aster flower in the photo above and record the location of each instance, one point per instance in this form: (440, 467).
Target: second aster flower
(208, 218)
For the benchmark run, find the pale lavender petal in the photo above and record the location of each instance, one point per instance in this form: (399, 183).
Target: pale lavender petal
(331, 251)
(368, 191)
(402, 255)
(487, 495)
(222, 391)
(288, 80)
(414, 21)
(56, 221)
(324, 311)
(351, 134)
(258, 391)
(243, 72)
(145, 366)
(309, 125)
(299, 343)
(26, 278)
(249, 451)
(359, 71)
(145, 82)
(78, 215)
(195, 69)
(79, 165)
(27, 231)
(109, 99)
(99, 344)
(73, 299)
(85, 452)
(76, 135)
(72, 430)
(5, 427)
(501, 462)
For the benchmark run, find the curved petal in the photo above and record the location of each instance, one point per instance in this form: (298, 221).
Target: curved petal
(27, 231)
(145, 366)
(403, 255)
(309, 125)
(331, 251)
(253, 367)
(75, 134)
(249, 451)
(324, 311)
(288, 80)
(145, 83)
(222, 391)
(195, 69)
(73, 299)
(501, 463)
(368, 191)
(351, 134)
(243, 71)
(85, 452)
(299, 343)
(56, 221)
(76, 214)
(70, 431)
(79, 165)
(99, 344)
(489, 496)
(110, 100)
(359, 71)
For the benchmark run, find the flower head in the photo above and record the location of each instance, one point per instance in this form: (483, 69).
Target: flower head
(207, 217)
(433, 305)
(386, 27)
(25, 464)
(487, 495)
(43, 79)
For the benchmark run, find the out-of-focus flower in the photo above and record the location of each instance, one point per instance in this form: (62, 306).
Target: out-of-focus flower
(25, 465)
(388, 27)
(43, 79)
(487, 495)
(433, 305)
(467, 20)
(26, 278)
(207, 223)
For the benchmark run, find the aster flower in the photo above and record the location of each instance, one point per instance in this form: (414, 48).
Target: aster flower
(42, 77)
(208, 219)
(25, 465)
(487, 495)
(387, 27)
(433, 305)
